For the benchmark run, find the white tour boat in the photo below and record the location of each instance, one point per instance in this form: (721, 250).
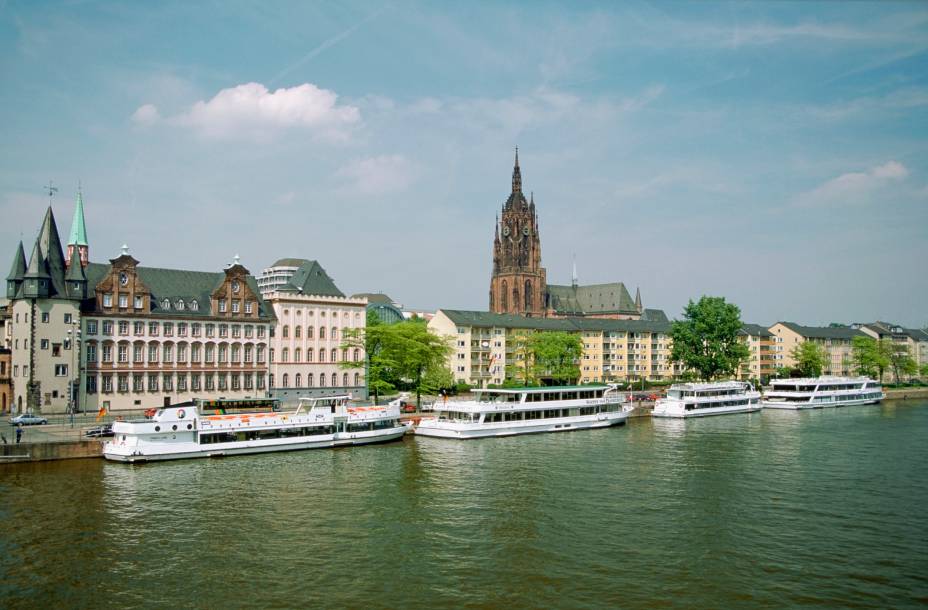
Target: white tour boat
(701, 399)
(819, 392)
(506, 412)
(183, 431)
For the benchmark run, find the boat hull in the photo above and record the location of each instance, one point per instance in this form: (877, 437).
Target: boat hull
(801, 406)
(474, 431)
(138, 454)
(707, 412)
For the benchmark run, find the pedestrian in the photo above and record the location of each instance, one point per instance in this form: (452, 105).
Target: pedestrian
(19, 433)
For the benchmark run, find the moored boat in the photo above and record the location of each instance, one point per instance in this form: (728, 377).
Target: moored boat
(702, 399)
(820, 392)
(183, 431)
(507, 412)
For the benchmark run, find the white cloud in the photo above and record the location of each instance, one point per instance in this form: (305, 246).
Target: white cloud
(146, 115)
(251, 110)
(853, 187)
(379, 175)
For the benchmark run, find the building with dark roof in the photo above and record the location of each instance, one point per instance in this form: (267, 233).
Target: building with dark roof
(121, 336)
(484, 344)
(915, 340)
(836, 341)
(519, 285)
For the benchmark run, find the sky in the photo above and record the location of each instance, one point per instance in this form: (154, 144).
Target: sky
(771, 153)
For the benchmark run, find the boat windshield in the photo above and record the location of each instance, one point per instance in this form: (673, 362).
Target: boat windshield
(496, 397)
(674, 394)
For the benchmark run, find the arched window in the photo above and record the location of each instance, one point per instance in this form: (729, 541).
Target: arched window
(345, 380)
(505, 296)
(297, 354)
(286, 381)
(322, 332)
(344, 355)
(357, 355)
(321, 380)
(529, 298)
(334, 333)
(321, 355)
(334, 379)
(309, 332)
(515, 299)
(285, 355)
(286, 331)
(357, 379)
(334, 355)
(296, 331)
(166, 303)
(194, 305)
(309, 354)
(299, 381)
(270, 382)
(309, 380)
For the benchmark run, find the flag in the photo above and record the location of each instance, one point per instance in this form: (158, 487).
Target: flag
(101, 413)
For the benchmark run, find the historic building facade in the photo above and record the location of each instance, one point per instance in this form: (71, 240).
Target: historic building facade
(125, 337)
(309, 354)
(519, 284)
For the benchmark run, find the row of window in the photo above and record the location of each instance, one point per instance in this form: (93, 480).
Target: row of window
(310, 332)
(151, 382)
(169, 353)
(310, 353)
(310, 383)
(309, 314)
(167, 329)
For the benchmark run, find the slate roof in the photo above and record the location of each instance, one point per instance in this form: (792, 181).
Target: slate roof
(290, 262)
(654, 315)
(177, 284)
(590, 299)
(824, 332)
(885, 328)
(755, 330)
(485, 319)
(374, 297)
(311, 278)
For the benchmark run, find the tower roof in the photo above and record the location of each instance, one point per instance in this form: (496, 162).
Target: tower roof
(517, 176)
(78, 228)
(75, 269)
(18, 270)
(37, 267)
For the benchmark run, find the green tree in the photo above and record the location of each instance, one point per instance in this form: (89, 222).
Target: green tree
(415, 351)
(869, 356)
(556, 355)
(706, 339)
(810, 358)
(380, 368)
(901, 360)
(924, 371)
(521, 369)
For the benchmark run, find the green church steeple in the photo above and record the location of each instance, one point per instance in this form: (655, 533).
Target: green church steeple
(78, 239)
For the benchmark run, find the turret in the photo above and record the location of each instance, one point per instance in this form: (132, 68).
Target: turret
(14, 280)
(76, 279)
(78, 239)
(36, 279)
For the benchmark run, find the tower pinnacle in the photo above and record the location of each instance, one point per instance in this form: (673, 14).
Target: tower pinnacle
(78, 239)
(516, 175)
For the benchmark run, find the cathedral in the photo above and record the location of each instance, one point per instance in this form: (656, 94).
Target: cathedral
(519, 283)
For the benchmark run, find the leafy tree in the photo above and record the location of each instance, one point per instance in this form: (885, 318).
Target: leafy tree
(924, 370)
(901, 360)
(414, 350)
(521, 368)
(380, 368)
(783, 372)
(810, 358)
(869, 356)
(438, 378)
(556, 355)
(706, 339)
(837, 325)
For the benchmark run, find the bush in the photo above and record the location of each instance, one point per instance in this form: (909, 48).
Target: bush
(461, 388)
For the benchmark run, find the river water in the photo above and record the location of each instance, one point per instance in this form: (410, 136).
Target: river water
(775, 509)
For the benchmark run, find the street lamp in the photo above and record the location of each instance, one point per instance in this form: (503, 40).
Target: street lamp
(74, 340)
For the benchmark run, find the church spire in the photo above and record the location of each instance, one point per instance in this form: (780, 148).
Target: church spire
(78, 239)
(638, 299)
(516, 175)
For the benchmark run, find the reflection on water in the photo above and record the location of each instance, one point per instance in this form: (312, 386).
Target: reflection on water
(774, 509)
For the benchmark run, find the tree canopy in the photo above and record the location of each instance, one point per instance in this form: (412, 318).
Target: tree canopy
(869, 357)
(556, 355)
(810, 358)
(706, 339)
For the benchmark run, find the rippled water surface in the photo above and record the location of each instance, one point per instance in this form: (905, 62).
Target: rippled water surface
(772, 509)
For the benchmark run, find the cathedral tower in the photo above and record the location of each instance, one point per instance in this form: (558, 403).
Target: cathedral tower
(518, 284)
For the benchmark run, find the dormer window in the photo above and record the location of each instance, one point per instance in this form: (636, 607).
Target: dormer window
(108, 299)
(222, 305)
(179, 305)
(166, 304)
(139, 301)
(194, 305)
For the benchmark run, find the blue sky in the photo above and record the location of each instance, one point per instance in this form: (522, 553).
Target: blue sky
(773, 153)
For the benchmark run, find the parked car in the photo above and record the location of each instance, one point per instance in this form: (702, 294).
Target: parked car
(28, 419)
(99, 431)
(407, 407)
